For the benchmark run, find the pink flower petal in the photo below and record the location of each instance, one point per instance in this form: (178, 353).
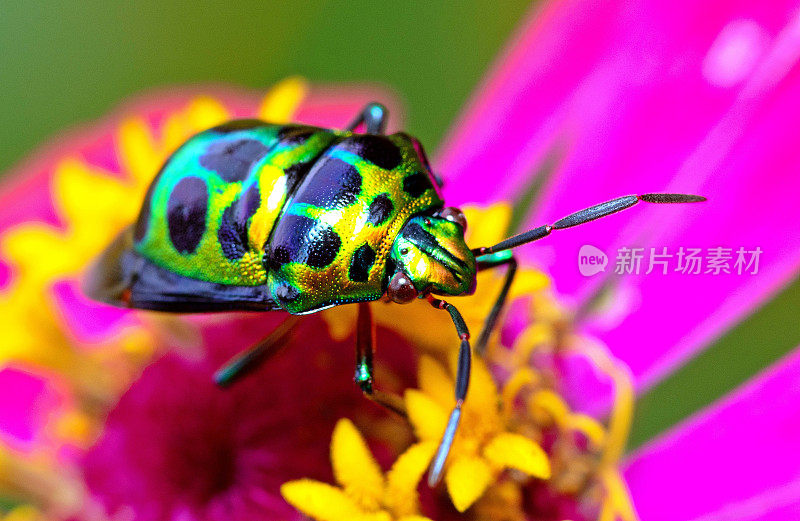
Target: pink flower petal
(736, 461)
(177, 441)
(637, 97)
(25, 404)
(89, 322)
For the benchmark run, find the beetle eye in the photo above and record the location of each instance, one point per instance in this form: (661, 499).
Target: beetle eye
(454, 215)
(401, 289)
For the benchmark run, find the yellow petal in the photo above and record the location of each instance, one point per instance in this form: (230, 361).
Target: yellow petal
(519, 380)
(530, 339)
(617, 495)
(551, 405)
(414, 518)
(200, 114)
(404, 477)
(138, 152)
(282, 100)
(435, 381)
(23, 513)
(320, 500)
(205, 112)
(26, 242)
(467, 479)
(373, 516)
(518, 452)
(341, 321)
(354, 467)
(426, 416)
(86, 196)
(590, 428)
(528, 281)
(486, 224)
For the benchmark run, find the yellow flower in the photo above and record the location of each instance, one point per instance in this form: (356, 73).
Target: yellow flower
(484, 446)
(486, 226)
(23, 513)
(365, 493)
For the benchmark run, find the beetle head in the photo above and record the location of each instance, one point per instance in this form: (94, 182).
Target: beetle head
(432, 257)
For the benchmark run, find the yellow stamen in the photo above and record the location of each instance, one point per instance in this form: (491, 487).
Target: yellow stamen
(524, 377)
(282, 101)
(589, 427)
(617, 502)
(548, 402)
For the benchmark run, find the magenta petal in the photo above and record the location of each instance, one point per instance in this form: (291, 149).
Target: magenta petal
(737, 460)
(89, 322)
(641, 97)
(26, 401)
(747, 211)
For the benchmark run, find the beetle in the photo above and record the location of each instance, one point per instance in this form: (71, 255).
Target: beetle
(255, 216)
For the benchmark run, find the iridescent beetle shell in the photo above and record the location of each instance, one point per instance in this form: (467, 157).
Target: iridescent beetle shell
(307, 215)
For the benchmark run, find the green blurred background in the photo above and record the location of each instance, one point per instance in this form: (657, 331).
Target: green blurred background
(64, 62)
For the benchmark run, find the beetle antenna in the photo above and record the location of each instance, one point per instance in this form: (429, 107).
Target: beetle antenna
(584, 216)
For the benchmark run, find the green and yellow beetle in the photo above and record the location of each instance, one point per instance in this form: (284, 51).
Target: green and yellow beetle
(254, 216)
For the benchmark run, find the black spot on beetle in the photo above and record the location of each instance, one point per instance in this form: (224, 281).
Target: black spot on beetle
(380, 209)
(363, 259)
(416, 184)
(337, 184)
(234, 223)
(294, 135)
(278, 256)
(378, 150)
(295, 172)
(186, 213)
(232, 238)
(303, 240)
(286, 293)
(232, 160)
(238, 124)
(286, 243)
(247, 205)
(324, 246)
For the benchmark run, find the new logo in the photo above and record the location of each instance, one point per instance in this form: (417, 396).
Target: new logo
(591, 260)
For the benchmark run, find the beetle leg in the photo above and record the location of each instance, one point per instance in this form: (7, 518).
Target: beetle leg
(462, 385)
(373, 116)
(246, 361)
(488, 262)
(365, 340)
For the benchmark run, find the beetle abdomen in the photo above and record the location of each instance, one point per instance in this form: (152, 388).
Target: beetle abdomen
(213, 205)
